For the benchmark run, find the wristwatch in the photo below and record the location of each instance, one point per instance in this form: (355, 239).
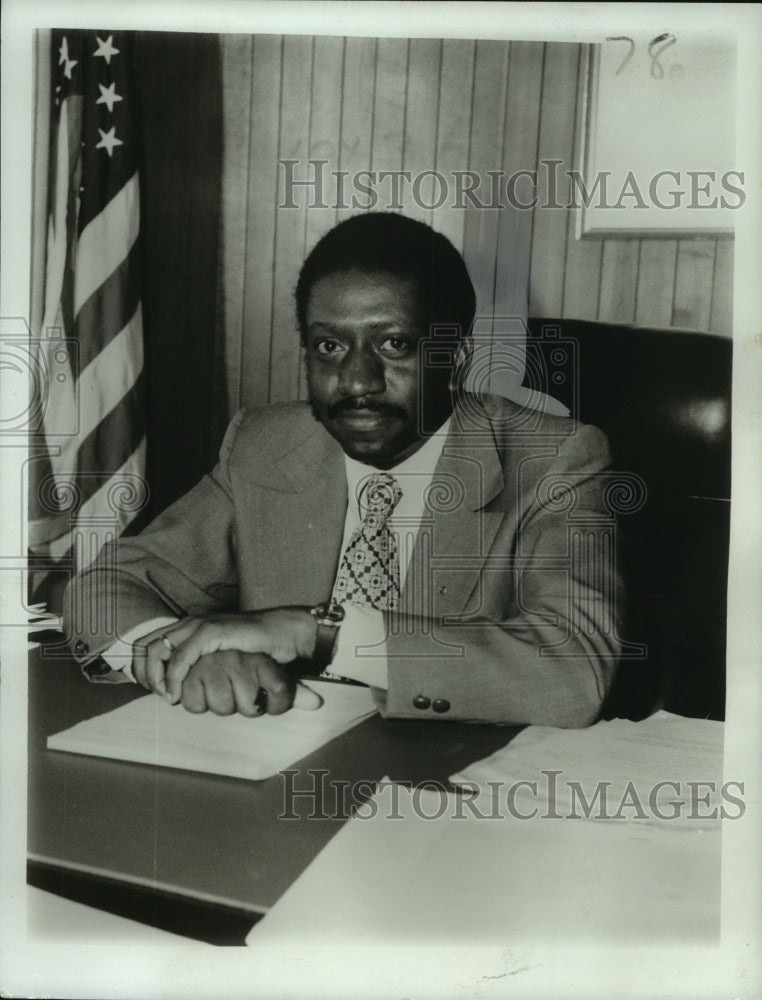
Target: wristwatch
(329, 617)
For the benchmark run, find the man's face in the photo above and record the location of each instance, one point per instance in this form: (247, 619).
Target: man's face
(361, 346)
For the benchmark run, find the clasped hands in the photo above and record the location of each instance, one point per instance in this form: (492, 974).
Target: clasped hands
(230, 662)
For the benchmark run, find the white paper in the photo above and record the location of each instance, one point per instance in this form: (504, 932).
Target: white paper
(457, 878)
(151, 731)
(665, 769)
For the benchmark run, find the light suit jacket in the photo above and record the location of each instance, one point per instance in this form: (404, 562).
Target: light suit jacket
(508, 609)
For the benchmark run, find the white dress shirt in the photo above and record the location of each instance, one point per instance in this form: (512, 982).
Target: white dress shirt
(361, 646)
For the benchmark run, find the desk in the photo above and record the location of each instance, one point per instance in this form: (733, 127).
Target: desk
(213, 845)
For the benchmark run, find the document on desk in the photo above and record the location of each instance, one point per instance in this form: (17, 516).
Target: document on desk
(517, 856)
(666, 768)
(150, 731)
(418, 866)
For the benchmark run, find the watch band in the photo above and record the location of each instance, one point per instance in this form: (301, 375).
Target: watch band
(329, 618)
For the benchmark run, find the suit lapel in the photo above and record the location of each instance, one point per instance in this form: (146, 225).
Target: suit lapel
(307, 491)
(456, 534)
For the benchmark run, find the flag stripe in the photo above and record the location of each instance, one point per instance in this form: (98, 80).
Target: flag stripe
(97, 506)
(110, 375)
(55, 264)
(102, 316)
(114, 439)
(98, 253)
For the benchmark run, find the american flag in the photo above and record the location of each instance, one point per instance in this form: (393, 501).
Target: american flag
(88, 474)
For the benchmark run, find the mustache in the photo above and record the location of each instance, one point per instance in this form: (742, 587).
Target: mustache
(365, 406)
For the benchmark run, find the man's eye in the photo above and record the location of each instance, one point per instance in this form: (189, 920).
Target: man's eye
(396, 345)
(327, 347)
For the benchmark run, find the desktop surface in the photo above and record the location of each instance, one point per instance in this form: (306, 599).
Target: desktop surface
(214, 841)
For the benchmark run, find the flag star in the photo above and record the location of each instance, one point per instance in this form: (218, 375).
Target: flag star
(70, 64)
(108, 96)
(106, 49)
(108, 140)
(63, 52)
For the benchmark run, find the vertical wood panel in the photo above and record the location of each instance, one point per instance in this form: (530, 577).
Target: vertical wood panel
(491, 69)
(520, 139)
(418, 105)
(555, 143)
(522, 112)
(486, 153)
(618, 281)
(389, 112)
(520, 133)
(453, 131)
(422, 112)
(324, 133)
(721, 317)
(290, 223)
(323, 144)
(582, 273)
(480, 224)
(693, 284)
(236, 96)
(260, 219)
(656, 282)
(357, 117)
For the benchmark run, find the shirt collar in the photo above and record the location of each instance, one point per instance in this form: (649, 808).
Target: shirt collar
(422, 462)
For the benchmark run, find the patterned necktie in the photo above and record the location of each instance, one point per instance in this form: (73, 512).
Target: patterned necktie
(369, 573)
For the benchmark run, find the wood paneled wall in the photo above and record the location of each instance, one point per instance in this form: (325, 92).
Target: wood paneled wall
(417, 105)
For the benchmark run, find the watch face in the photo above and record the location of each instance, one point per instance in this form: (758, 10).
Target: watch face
(330, 614)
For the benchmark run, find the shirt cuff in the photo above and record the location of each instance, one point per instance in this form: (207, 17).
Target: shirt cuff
(361, 647)
(119, 655)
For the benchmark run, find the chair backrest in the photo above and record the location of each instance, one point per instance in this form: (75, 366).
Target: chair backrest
(663, 399)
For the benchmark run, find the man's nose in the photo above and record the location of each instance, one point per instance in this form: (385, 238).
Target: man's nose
(362, 373)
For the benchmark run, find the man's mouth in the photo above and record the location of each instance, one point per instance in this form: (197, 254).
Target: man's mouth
(364, 417)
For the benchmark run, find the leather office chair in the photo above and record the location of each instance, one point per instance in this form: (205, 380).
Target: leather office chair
(663, 399)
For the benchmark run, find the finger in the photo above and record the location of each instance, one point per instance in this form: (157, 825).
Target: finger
(250, 698)
(154, 668)
(157, 652)
(218, 691)
(205, 638)
(158, 647)
(139, 663)
(306, 698)
(278, 684)
(193, 696)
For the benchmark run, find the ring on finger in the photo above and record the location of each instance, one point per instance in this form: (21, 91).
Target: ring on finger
(260, 702)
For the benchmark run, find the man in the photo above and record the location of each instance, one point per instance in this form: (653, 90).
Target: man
(406, 533)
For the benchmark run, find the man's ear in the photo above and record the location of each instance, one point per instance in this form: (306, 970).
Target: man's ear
(463, 354)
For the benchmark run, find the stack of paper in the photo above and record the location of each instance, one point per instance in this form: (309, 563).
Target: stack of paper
(505, 861)
(416, 868)
(150, 731)
(666, 769)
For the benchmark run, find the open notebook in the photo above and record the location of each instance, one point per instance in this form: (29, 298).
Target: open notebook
(150, 731)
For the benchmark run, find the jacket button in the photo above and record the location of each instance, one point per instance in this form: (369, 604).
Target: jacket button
(441, 705)
(421, 701)
(443, 590)
(81, 648)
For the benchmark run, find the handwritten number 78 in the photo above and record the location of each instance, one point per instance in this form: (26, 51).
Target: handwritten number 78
(655, 48)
